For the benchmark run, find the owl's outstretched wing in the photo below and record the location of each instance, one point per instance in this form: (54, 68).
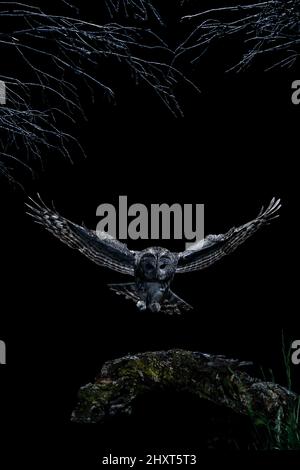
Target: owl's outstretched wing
(99, 247)
(202, 254)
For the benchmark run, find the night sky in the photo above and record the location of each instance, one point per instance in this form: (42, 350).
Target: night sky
(234, 149)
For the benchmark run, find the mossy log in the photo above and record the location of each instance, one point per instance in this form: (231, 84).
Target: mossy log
(209, 377)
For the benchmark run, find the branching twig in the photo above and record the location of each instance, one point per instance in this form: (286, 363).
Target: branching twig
(270, 28)
(53, 52)
(141, 9)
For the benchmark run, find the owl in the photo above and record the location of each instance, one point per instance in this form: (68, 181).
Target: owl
(154, 268)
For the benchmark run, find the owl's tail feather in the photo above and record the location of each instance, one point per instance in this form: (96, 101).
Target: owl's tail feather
(171, 305)
(127, 289)
(175, 305)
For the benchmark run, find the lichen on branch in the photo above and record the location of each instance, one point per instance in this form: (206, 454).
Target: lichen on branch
(214, 378)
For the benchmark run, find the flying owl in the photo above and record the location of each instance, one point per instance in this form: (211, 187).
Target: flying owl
(153, 269)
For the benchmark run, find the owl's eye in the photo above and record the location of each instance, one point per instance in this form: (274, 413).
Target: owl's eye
(162, 266)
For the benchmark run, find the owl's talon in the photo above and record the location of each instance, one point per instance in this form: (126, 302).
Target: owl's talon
(141, 305)
(155, 307)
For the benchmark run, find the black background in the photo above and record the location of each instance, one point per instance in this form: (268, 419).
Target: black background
(235, 148)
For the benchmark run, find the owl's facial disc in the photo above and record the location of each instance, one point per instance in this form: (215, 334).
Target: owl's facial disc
(164, 262)
(156, 266)
(148, 265)
(165, 267)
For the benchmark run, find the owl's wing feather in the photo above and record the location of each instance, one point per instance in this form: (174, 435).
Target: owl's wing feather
(99, 247)
(202, 254)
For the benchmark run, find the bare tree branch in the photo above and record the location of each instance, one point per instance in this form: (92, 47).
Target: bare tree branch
(53, 51)
(269, 29)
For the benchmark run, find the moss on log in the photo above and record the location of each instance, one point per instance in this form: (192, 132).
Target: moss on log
(210, 377)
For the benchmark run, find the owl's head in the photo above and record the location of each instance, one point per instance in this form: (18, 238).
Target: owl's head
(156, 264)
